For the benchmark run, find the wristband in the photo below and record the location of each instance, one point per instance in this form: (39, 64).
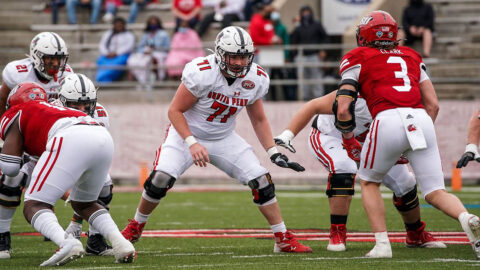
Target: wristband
(190, 140)
(287, 134)
(272, 151)
(471, 147)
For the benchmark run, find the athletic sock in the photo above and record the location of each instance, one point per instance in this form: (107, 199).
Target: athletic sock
(140, 218)
(280, 227)
(413, 226)
(338, 219)
(381, 237)
(6, 217)
(47, 224)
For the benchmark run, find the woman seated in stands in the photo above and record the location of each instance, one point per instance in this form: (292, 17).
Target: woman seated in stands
(151, 52)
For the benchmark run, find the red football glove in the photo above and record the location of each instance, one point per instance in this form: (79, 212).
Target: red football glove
(402, 160)
(353, 147)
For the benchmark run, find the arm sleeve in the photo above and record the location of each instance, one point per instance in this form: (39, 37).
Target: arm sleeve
(102, 46)
(423, 73)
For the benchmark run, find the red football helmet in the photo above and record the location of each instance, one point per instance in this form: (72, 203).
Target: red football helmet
(24, 92)
(378, 28)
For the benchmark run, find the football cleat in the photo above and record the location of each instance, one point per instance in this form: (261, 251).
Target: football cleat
(5, 245)
(423, 239)
(124, 252)
(133, 231)
(286, 242)
(96, 245)
(70, 250)
(338, 237)
(380, 250)
(471, 225)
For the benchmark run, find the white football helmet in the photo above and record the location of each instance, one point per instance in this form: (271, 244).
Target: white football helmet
(233, 40)
(52, 45)
(78, 89)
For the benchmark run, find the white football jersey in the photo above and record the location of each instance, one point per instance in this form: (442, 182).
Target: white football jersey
(363, 118)
(101, 116)
(213, 116)
(22, 70)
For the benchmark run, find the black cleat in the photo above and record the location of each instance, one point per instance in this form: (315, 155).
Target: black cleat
(97, 246)
(5, 245)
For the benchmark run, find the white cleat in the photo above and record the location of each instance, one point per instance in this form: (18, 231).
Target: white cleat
(124, 252)
(337, 247)
(471, 225)
(380, 250)
(70, 250)
(5, 254)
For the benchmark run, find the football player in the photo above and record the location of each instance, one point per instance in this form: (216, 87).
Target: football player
(78, 91)
(213, 91)
(326, 145)
(46, 65)
(471, 150)
(73, 151)
(404, 105)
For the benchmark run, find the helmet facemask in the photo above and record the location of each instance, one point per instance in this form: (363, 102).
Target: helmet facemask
(231, 69)
(87, 106)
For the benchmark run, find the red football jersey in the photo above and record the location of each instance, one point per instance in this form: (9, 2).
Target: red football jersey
(36, 118)
(388, 78)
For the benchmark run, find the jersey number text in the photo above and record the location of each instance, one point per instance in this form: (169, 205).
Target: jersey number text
(403, 74)
(219, 109)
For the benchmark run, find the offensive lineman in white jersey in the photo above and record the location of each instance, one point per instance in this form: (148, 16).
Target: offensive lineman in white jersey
(78, 91)
(46, 65)
(213, 91)
(326, 145)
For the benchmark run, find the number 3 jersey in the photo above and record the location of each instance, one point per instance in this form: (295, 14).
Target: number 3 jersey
(386, 78)
(213, 116)
(22, 70)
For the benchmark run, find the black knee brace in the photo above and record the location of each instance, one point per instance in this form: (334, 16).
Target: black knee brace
(157, 184)
(105, 201)
(265, 194)
(340, 185)
(407, 202)
(11, 195)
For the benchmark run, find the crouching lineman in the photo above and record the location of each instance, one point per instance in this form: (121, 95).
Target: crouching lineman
(326, 145)
(46, 65)
(213, 91)
(473, 138)
(79, 92)
(75, 153)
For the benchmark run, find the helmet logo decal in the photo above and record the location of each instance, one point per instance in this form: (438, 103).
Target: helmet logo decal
(247, 84)
(365, 20)
(34, 42)
(32, 96)
(379, 34)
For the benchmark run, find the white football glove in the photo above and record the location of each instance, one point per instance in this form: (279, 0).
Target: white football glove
(284, 139)
(471, 153)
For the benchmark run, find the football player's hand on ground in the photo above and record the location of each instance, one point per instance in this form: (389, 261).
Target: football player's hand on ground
(353, 147)
(282, 161)
(471, 153)
(284, 139)
(199, 155)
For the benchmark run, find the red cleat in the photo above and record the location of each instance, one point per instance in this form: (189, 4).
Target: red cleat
(422, 238)
(133, 231)
(286, 242)
(338, 237)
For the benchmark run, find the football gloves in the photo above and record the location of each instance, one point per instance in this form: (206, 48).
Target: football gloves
(471, 153)
(282, 161)
(353, 147)
(284, 139)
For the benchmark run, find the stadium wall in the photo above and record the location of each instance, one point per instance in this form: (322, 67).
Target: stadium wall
(138, 130)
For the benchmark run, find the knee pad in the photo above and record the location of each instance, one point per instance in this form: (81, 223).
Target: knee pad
(341, 185)
(157, 184)
(11, 189)
(105, 196)
(263, 189)
(407, 202)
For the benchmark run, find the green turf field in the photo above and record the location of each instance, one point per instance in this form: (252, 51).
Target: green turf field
(234, 210)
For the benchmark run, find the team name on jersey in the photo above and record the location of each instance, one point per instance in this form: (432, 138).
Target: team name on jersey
(394, 51)
(227, 100)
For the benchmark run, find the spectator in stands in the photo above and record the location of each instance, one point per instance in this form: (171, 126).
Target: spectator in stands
(417, 21)
(249, 8)
(151, 52)
(186, 45)
(56, 4)
(309, 31)
(115, 47)
(186, 10)
(112, 5)
(226, 12)
(261, 26)
(95, 5)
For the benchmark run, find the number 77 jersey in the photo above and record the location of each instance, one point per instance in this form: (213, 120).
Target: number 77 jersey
(387, 79)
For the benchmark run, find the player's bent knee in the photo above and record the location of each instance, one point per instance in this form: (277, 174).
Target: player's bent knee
(11, 189)
(340, 185)
(263, 190)
(157, 185)
(407, 202)
(105, 196)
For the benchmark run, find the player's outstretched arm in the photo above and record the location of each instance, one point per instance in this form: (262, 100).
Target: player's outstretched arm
(471, 150)
(321, 105)
(429, 99)
(4, 91)
(182, 101)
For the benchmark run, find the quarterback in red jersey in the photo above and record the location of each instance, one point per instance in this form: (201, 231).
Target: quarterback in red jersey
(74, 151)
(403, 104)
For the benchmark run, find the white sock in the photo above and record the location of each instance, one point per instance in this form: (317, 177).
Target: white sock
(103, 222)
(280, 227)
(140, 218)
(46, 223)
(92, 230)
(6, 217)
(463, 219)
(382, 238)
